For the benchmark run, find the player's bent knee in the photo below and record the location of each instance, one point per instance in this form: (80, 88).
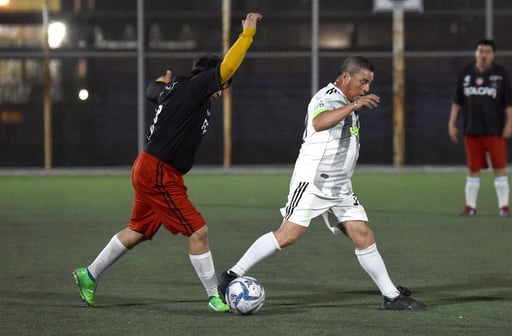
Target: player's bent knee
(288, 234)
(130, 238)
(360, 233)
(198, 241)
(200, 235)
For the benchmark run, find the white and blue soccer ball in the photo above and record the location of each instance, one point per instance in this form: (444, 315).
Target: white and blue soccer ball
(245, 295)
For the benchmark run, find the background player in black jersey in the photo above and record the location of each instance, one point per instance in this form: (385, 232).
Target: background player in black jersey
(181, 120)
(484, 96)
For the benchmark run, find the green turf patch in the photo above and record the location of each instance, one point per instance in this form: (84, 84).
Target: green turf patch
(50, 225)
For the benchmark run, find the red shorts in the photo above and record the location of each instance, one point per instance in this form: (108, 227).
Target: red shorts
(478, 146)
(161, 199)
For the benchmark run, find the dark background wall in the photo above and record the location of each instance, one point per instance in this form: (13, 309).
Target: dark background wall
(270, 92)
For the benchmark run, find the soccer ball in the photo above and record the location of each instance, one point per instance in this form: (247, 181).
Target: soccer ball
(245, 295)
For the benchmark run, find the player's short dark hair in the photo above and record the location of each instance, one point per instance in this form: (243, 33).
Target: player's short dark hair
(204, 63)
(353, 64)
(487, 42)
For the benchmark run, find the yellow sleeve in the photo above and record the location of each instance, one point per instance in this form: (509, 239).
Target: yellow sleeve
(236, 54)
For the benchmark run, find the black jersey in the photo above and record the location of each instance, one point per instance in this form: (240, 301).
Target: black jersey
(483, 97)
(182, 118)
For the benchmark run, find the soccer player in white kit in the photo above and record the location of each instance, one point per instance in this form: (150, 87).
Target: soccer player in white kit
(321, 183)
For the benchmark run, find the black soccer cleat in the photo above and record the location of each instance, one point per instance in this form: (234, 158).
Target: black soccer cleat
(225, 279)
(404, 301)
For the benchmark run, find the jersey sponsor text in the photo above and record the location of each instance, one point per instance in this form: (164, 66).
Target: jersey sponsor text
(480, 91)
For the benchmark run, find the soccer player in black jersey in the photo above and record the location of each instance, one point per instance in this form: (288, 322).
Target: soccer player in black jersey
(181, 119)
(484, 95)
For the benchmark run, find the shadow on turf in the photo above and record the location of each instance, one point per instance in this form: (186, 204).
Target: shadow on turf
(482, 288)
(491, 288)
(293, 297)
(315, 297)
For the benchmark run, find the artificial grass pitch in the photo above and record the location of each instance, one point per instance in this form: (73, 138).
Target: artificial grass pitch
(461, 267)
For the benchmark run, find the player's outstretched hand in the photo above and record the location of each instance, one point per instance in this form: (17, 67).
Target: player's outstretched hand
(166, 78)
(370, 100)
(251, 20)
(454, 133)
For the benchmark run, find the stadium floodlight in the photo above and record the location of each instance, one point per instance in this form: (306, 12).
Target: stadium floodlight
(83, 94)
(56, 34)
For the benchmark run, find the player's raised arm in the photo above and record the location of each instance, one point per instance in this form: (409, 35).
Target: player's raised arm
(236, 53)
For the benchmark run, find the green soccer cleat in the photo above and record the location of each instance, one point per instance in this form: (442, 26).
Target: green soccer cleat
(86, 286)
(216, 304)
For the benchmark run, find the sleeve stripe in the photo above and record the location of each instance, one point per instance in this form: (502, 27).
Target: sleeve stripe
(319, 111)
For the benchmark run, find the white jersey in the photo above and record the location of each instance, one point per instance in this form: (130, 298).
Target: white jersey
(327, 159)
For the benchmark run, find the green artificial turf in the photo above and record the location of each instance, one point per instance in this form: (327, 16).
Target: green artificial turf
(461, 267)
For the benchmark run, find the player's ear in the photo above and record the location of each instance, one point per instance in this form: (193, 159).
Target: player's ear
(343, 78)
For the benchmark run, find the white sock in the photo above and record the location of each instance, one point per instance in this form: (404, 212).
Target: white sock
(371, 261)
(263, 247)
(203, 265)
(502, 190)
(471, 190)
(109, 255)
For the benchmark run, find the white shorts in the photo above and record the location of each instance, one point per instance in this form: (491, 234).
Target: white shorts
(306, 202)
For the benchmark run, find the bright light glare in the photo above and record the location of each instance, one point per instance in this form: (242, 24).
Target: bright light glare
(83, 94)
(56, 34)
(4, 2)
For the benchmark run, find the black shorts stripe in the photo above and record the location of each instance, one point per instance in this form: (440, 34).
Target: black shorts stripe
(159, 185)
(297, 195)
